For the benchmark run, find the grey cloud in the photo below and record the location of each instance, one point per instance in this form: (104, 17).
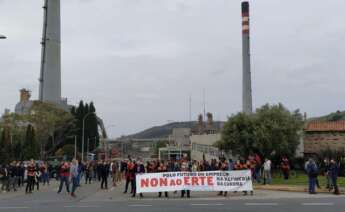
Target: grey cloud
(140, 60)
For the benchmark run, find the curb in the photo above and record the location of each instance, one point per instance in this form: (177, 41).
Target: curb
(293, 189)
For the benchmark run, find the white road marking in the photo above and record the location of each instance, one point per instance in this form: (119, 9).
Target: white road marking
(261, 204)
(14, 207)
(318, 204)
(81, 206)
(206, 204)
(138, 205)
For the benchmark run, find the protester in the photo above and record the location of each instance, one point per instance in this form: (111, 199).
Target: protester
(30, 176)
(185, 167)
(128, 169)
(139, 169)
(12, 177)
(114, 172)
(104, 172)
(327, 174)
(285, 167)
(45, 173)
(37, 178)
(333, 173)
(312, 172)
(4, 178)
(223, 166)
(74, 176)
(162, 168)
(64, 173)
(267, 172)
(89, 172)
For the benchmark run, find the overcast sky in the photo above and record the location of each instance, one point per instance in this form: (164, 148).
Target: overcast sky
(140, 60)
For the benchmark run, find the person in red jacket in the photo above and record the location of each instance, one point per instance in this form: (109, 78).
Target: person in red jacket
(64, 176)
(30, 176)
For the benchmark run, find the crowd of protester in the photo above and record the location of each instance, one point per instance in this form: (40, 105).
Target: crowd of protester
(14, 176)
(73, 174)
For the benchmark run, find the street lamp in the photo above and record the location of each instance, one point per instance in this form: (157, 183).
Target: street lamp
(2, 37)
(82, 148)
(88, 144)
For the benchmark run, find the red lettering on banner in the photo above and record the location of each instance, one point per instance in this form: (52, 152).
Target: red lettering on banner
(178, 182)
(163, 182)
(210, 180)
(195, 181)
(144, 183)
(172, 182)
(202, 178)
(154, 182)
(186, 180)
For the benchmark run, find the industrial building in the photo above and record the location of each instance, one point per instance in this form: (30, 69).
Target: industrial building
(324, 135)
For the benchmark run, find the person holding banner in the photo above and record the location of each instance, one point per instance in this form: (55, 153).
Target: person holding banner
(248, 166)
(139, 169)
(185, 167)
(162, 168)
(223, 166)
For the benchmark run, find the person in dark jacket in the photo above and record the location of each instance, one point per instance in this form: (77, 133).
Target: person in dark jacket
(333, 173)
(4, 178)
(128, 170)
(139, 168)
(312, 172)
(104, 172)
(12, 176)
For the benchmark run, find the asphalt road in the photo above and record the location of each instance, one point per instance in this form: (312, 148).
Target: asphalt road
(91, 198)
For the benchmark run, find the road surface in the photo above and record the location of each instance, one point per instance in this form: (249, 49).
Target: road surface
(91, 198)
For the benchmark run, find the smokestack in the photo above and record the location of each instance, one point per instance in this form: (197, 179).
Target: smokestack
(50, 76)
(246, 84)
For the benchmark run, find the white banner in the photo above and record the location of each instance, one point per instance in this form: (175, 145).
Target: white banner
(195, 181)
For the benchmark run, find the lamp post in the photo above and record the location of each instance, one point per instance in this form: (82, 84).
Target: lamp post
(88, 145)
(83, 137)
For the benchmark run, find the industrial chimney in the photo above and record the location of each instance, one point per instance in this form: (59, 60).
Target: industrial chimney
(50, 77)
(246, 83)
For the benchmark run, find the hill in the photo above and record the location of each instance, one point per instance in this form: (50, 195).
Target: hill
(336, 116)
(165, 130)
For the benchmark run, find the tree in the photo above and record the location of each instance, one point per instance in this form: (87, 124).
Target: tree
(4, 154)
(31, 147)
(272, 131)
(238, 135)
(91, 126)
(47, 120)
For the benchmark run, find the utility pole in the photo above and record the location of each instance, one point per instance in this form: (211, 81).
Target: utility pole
(204, 102)
(75, 147)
